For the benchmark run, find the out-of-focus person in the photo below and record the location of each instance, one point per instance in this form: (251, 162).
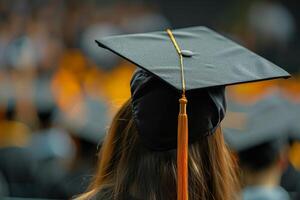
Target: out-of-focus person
(291, 177)
(17, 165)
(259, 136)
(53, 149)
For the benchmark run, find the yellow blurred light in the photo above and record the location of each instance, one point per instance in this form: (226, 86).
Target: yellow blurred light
(250, 93)
(294, 155)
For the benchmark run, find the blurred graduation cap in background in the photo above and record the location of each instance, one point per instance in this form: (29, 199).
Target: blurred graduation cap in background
(89, 121)
(266, 121)
(260, 133)
(104, 59)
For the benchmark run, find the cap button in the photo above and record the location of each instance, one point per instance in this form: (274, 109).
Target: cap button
(187, 53)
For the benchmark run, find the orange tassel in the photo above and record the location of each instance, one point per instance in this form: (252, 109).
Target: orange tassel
(182, 151)
(182, 144)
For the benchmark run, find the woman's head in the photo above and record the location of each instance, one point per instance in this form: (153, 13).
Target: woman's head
(127, 167)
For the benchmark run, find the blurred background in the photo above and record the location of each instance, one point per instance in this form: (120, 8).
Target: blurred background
(59, 91)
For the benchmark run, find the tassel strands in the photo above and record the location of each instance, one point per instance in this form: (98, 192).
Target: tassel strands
(182, 151)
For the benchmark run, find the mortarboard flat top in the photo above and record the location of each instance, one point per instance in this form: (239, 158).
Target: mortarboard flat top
(210, 59)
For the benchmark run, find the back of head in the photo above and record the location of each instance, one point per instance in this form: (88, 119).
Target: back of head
(260, 157)
(128, 169)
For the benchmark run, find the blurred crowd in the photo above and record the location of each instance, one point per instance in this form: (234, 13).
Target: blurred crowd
(58, 90)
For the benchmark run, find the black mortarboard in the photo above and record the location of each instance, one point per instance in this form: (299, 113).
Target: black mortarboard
(210, 60)
(267, 121)
(194, 64)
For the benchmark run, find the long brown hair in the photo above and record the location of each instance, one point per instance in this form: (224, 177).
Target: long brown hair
(127, 168)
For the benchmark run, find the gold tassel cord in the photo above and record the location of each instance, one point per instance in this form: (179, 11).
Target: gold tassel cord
(180, 58)
(182, 137)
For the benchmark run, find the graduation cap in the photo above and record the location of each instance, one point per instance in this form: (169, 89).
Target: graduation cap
(266, 121)
(265, 132)
(193, 65)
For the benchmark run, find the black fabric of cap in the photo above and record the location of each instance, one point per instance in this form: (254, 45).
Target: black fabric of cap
(211, 62)
(155, 110)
